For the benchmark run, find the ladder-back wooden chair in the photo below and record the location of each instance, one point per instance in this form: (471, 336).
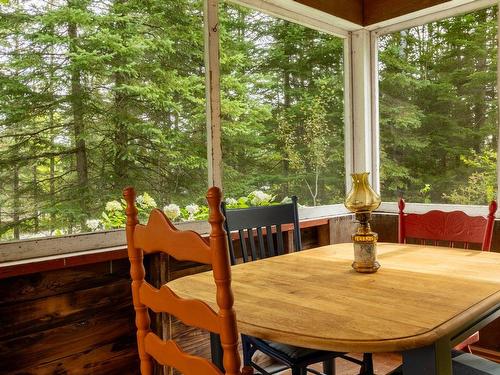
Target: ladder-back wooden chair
(160, 235)
(450, 229)
(264, 221)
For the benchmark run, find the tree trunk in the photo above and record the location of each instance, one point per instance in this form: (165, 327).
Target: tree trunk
(76, 100)
(16, 208)
(36, 221)
(121, 115)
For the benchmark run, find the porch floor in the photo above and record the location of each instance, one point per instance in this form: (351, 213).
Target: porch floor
(383, 363)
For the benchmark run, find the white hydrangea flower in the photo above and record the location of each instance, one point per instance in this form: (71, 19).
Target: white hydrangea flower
(93, 224)
(231, 201)
(148, 200)
(172, 211)
(113, 206)
(259, 197)
(139, 200)
(192, 209)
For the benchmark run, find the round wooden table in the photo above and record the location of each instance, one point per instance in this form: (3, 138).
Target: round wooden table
(422, 301)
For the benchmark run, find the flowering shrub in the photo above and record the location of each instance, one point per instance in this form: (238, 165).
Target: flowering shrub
(114, 217)
(114, 213)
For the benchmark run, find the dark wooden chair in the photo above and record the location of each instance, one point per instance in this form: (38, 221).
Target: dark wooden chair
(268, 223)
(466, 364)
(450, 229)
(160, 235)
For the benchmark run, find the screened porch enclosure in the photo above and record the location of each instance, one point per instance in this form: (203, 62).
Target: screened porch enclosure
(264, 99)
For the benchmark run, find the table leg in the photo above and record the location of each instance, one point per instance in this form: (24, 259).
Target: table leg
(430, 360)
(329, 367)
(216, 349)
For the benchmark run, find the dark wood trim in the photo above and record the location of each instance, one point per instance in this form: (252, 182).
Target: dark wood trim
(30, 266)
(492, 355)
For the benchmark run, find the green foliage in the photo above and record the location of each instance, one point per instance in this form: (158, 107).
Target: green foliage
(438, 110)
(95, 96)
(480, 185)
(282, 108)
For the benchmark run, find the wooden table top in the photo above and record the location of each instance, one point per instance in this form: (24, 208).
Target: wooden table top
(314, 298)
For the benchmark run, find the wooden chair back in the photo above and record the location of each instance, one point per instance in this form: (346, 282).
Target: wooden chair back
(452, 228)
(160, 235)
(264, 220)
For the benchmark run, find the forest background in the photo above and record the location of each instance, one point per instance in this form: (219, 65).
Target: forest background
(99, 94)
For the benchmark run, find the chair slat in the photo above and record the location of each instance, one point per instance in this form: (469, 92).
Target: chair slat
(270, 244)
(279, 240)
(169, 354)
(232, 255)
(192, 312)
(252, 243)
(159, 235)
(243, 245)
(262, 247)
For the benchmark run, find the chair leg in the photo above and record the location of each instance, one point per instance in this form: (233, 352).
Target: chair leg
(297, 371)
(367, 368)
(329, 367)
(247, 352)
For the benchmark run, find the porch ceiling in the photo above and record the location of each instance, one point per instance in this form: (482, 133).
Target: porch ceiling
(369, 12)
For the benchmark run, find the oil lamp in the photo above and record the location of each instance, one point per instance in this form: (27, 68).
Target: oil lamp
(362, 200)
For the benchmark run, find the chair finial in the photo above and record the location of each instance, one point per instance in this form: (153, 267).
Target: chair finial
(401, 204)
(131, 211)
(215, 217)
(493, 207)
(129, 195)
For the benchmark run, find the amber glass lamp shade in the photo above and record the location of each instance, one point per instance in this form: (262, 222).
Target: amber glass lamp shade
(362, 198)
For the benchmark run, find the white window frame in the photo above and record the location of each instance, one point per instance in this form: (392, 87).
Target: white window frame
(24, 250)
(362, 151)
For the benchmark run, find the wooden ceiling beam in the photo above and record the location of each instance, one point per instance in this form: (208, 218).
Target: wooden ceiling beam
(369, 12)
(350, 10)
(381, 10)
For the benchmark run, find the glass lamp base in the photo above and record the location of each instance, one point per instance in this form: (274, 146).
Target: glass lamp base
(365, 252)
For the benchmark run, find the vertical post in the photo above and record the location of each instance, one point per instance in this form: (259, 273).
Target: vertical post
(348, 110)
(361, 73)
(375, 124)
(212, 79)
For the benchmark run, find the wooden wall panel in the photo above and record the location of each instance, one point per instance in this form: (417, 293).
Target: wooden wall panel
(70, 321)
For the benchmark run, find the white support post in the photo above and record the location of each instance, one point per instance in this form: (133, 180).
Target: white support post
(348, 125)
(212, 78)
(362, 112)
(375, 128)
